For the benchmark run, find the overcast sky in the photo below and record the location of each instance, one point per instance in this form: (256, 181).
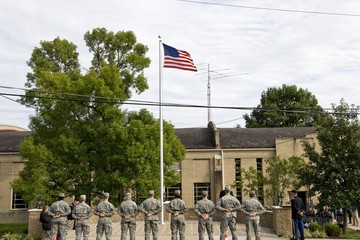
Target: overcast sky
(317, 52)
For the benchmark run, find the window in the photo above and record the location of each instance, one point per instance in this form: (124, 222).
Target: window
(170, 192)
(238, 178)
(18, 202)
(198, 188)
(260, 193)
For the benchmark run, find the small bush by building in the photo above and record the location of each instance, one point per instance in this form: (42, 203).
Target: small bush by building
(332, 230)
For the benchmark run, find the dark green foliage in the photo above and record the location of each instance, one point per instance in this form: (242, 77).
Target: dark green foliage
(332, 230)
(314, 226)
(286, 106)
(82, 141)
(13, 228)
(333, 170)
(281, 175)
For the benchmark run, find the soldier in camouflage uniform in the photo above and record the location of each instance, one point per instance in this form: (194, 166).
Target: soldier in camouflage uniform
(151, 207)
(128, 211)
(252, 209)
(177, 208)
(105, 210)
(205, 209)
(81, 215)
(229, 206)
(59, 211)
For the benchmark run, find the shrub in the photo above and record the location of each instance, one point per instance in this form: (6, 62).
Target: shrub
(5, 230)
(285, 235)
(15, 236)
(13, 228)
(318, 234)
(332, 230)
(314, 226)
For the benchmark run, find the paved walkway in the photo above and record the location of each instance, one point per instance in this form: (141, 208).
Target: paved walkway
(191, 232)
(164, 232)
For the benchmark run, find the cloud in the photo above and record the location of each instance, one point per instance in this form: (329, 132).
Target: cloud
(317, 52)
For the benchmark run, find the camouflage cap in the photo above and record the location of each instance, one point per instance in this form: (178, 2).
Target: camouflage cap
(127, 196)
(177, 192)
(204, 192)
(61, 195)
(106, 194)
(251, 192)
(227, 187)
(151, 192)
(82, 197)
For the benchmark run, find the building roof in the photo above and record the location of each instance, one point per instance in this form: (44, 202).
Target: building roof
(10, 140)
(199, 138)
(258, 137)
(238, 138)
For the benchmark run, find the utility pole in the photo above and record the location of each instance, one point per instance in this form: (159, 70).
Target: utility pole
(219, 75)
(209, 94)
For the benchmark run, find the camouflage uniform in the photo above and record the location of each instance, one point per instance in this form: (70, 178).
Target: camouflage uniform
(128, 211)
(81, 215)
(252, 206)
(151, 206)
(59, 224)
(205, 208)
(104, 223)
(228, 205)
(177, 208)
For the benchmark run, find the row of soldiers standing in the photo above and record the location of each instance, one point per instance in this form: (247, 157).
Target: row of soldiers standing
(204, 209)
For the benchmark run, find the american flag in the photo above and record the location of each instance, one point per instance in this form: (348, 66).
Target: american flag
(179, 59)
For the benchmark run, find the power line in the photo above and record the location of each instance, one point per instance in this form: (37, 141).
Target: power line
(273, 9)
(149, 103)
(70, 94)
(9, 98)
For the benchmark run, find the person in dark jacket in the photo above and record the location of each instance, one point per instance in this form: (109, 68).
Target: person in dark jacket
(45, 220)
(297, 213)
(71, 220)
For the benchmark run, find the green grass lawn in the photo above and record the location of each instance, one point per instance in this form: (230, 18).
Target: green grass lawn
(13, 228)
(352, 234)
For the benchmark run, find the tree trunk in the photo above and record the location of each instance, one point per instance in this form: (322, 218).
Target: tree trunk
(345, 230)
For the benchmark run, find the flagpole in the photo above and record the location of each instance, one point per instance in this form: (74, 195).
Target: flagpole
(161, 134)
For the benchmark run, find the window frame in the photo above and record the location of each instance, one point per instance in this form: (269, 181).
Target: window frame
(17, 201)
(198, 188)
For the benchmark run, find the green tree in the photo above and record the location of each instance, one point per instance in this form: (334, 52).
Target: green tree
(250, 179)
(334, 172)
(282, 174)
(286, 106)
(81, 141)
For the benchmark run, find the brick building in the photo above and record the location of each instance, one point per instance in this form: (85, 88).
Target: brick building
(212, 160)
(12, 208)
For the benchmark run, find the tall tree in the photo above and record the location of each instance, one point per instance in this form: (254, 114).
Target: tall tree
(81, 141)
(286, 106)
(334, 172)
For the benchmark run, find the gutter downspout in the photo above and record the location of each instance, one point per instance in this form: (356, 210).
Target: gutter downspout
(222, 169)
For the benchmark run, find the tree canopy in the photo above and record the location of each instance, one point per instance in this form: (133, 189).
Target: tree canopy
(333, 170)
(285, 106)
(81, 141)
